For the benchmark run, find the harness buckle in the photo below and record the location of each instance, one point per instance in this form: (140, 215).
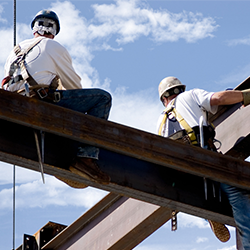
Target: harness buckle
(42, 93)
(27, 90)
(57, 97)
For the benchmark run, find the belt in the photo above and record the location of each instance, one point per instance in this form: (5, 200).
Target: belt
(48, 94)
(43, 93)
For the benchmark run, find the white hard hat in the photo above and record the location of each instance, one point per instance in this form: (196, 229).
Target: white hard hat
(170, 83)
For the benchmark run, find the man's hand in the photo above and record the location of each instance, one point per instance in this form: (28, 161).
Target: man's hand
(246, 97)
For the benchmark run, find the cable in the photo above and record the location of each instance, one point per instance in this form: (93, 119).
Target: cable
(14, 167)
(14, 22)
(14, 205)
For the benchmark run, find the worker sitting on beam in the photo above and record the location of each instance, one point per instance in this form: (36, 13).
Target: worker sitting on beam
(42, 68)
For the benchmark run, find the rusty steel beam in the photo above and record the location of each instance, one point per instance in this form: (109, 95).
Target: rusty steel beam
(116, 222)
(123, 140)
(130, 176)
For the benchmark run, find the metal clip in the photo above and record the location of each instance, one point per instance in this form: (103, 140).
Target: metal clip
(174, 221)
(205, 187)
(27, 90)
(42, 93)
(57, 96)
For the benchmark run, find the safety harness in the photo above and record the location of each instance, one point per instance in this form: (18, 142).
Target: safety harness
(188, 134)
(19, 73)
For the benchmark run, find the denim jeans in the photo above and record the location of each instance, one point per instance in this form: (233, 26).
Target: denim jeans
(95, 102)
(240, 201)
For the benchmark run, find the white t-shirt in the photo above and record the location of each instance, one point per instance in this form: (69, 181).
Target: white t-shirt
(191, 105)
(46, 60)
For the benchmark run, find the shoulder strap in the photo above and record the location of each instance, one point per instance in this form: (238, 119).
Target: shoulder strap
(166, 112)
(23, 53)
(19, 52)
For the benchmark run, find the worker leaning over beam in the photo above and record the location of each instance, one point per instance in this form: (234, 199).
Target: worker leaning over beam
(181, 121)
(41, 67)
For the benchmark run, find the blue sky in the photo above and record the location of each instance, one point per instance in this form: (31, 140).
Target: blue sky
(127, 48)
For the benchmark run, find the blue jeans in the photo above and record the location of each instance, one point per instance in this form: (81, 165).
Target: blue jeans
(240, 201)
(95, 102)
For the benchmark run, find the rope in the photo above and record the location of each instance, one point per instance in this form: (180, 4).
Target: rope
(14, 23)
(14, 204)
(14, 167)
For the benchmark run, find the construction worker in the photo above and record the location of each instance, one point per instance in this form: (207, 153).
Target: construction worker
(42, 68)
(181, 121)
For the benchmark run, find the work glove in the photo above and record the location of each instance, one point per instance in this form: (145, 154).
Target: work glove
(246, 97)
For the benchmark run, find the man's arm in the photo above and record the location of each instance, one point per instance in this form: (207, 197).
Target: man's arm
(226, 97)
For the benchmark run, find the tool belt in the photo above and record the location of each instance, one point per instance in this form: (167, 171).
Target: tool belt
(209, 135)
(182, 136)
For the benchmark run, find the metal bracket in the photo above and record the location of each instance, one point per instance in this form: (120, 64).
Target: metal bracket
(29, 242)
(174, 220)
(57, 97)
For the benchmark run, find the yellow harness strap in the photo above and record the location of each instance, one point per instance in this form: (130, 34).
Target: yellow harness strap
(166, 111)
(181, 120)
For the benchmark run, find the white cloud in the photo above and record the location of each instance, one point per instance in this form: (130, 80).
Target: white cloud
(2, 20)
(228, 248)
(201, 239)
(133, 19)
(137, 110)
(53, 192)
(189, 221)
(239, 41)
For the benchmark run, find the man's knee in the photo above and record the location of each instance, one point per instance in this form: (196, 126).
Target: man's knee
(107, 96)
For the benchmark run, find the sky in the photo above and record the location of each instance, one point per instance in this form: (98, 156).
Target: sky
(127, 48)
